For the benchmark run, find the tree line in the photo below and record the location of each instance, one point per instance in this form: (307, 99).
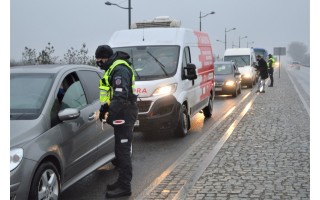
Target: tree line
(46, 56)
(298, 51)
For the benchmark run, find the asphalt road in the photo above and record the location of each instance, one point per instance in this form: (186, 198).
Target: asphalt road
(151, 155)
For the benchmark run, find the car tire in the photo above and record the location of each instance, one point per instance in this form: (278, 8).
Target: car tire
(239, 91)
(250, 85)
(207, 111)
(45, 182)
(184, 122)
(235, 93)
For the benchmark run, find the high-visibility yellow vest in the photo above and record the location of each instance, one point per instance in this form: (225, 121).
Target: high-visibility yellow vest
(106, 90)
(272, 61)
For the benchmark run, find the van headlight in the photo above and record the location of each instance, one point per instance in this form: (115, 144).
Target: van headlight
(229, 83)
(16, 156)
(165, 90)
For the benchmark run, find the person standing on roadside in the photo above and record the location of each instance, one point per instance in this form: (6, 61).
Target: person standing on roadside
(120, 110)
(262, 68)
(271, 62)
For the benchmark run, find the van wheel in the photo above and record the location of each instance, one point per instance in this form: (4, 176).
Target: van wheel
(46, 183)
(184, 122)
(207, 111)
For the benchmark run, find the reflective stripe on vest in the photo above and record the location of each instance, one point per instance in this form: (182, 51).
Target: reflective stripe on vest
(106, 91)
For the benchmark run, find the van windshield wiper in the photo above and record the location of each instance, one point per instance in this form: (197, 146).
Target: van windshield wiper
(243, 60)
(160, 64)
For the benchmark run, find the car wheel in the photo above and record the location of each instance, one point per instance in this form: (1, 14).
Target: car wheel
(239, 91)
(250, 85)
(46, 183)
(235, 93)
(184, 122)
(207, 111)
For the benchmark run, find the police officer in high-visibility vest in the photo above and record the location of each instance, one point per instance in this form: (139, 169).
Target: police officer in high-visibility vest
(119, 109)
(271, 62)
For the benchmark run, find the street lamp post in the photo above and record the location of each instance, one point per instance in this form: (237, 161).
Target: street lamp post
(129, 10)
(211, 13)
(240, 39)
(225, 36)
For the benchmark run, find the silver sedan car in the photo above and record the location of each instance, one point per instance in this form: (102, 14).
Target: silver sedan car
(55, 137)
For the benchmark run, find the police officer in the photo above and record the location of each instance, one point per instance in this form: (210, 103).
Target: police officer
(119, 109)
(271, 62)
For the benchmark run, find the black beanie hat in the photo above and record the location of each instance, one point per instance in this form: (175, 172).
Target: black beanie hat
(104, 51)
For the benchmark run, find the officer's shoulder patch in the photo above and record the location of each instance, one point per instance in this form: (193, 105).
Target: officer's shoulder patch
(117, 80)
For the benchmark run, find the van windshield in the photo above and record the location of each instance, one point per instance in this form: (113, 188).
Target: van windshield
(240, 60)
(152, 62)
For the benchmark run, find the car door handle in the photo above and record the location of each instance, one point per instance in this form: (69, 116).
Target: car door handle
(91, 117)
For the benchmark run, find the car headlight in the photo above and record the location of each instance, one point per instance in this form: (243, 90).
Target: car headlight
(16, 156)
(229, 83)
(165, 90)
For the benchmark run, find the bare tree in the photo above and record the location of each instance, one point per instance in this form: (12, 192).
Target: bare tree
(29, 56)
(83, 54)
(46, 55)
(71, 56)
(297, 51)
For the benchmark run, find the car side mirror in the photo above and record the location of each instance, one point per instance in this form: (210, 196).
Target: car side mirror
(190, 72)
(68, 114)
(254, 64)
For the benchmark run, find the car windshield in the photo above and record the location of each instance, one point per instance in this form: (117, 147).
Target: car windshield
(28, 94)
(153, 62)
(221, 69)
(240, 60)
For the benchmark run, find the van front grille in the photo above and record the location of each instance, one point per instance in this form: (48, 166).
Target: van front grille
(144, 106)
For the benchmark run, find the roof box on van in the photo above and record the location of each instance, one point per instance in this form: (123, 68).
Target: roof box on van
(161, 21)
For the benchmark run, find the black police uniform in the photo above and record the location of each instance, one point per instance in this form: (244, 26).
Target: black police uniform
(122, 107)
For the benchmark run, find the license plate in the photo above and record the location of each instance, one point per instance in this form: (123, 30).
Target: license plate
(136, 123)
(218, 89)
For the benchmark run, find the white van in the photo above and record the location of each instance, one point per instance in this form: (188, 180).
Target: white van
(174, 75)
(245, 59)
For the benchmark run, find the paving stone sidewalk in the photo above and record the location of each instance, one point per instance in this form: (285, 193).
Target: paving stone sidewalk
(267, 156)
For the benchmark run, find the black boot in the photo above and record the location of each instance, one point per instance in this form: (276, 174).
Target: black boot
(112, 186)
(118, 192)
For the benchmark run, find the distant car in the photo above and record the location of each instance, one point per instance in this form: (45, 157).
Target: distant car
(227, 78)
(55, 138)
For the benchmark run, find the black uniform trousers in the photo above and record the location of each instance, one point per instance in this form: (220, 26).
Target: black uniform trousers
(123, 140)
(127, 111)
(271, 76)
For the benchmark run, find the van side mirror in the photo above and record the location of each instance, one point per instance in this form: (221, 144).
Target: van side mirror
(190, 71)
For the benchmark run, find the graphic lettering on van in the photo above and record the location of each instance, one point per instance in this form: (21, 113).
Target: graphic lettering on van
(140, 90)
(206, 71)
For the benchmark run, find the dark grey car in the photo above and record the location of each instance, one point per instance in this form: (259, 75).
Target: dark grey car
(227, 78)
(55, 139)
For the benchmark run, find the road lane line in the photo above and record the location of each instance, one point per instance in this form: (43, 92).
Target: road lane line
(299, 94)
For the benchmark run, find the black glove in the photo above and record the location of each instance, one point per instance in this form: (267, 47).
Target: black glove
(103, 110)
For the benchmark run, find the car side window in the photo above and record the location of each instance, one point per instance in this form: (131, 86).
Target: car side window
(90, 80)
(74, 97)
(70, 95)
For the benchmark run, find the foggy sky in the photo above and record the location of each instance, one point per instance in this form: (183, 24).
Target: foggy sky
(69, 23)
